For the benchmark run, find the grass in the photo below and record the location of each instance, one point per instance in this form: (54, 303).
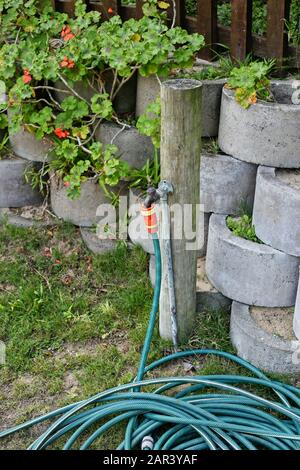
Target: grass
(73, 324)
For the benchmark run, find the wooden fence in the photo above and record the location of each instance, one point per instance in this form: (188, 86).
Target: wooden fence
(238, 38)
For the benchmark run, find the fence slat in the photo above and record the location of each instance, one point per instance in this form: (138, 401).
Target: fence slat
(241, 28)
(277, 40)
(66, 6)
(207, 25)
(139, 9)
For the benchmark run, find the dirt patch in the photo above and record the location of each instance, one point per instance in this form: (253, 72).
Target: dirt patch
(276, 321)
(203, 283)
(290, 177)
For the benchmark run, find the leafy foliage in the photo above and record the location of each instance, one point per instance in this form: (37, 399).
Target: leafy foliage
(43, 52)
(242, 227)
(251, 82)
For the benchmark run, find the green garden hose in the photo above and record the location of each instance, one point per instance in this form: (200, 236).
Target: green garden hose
(183, 413)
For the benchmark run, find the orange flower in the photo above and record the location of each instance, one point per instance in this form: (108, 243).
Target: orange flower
(66, 33)
(110, 11)
(61, 134)
(69, 63)
(253, 98)
(26, 77)
(67, 184)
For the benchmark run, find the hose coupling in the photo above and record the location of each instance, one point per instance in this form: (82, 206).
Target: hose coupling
(147, 443)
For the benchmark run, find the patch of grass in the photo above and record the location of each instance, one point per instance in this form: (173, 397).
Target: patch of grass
(74, 324)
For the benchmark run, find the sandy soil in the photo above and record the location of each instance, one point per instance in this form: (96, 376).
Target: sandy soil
(276, 321)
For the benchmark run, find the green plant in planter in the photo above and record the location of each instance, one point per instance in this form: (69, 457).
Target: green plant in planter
(49, 48)
(242, 227)
(250, 82)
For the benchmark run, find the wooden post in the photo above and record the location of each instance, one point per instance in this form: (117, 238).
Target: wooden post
(181, 103)
(241, 28)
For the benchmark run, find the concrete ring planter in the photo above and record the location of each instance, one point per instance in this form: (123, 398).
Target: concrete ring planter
(249, 272)
(14, 190)
(148, 89)
(264, 134)
(123, 103)
(219, 191)
(276, 209)
(81, 211)
(267, 351)
(25, 145)
(133, 147)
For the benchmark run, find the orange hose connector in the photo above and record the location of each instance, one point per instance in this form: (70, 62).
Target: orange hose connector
(150, 218)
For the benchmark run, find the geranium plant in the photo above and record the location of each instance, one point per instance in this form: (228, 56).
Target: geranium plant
(45, 53)
(250, 82)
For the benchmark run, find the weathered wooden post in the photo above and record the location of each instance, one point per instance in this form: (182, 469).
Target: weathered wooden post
(181, 103)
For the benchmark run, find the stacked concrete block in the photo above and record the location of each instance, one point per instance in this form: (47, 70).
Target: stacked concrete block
(262, 277)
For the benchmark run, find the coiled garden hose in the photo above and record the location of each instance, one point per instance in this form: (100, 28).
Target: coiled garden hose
(216, 412)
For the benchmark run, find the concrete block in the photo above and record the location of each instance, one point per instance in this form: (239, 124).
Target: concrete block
(277, 209)
(249, 272)
(266, 133)
(264, 348)
(226, 184)
(133, 147)
(83, 210)
(25, 145)
(14, 190)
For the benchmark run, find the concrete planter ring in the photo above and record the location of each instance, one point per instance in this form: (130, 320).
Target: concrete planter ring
(277, 207)
(148, 89)
(133, 147)
(262, 346)
(83, 211)
(219, 191)
(266, 133)
(14, 190)
(25, 145)
(249, 272)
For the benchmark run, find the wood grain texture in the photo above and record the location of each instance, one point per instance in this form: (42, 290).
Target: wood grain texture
(181, 102)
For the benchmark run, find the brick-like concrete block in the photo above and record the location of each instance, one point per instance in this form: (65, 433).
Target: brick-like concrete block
(226, 184)
(276, 213)
(133, 147)
(260, 347)
(265, 133)
(249, 272)
(14, 190)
